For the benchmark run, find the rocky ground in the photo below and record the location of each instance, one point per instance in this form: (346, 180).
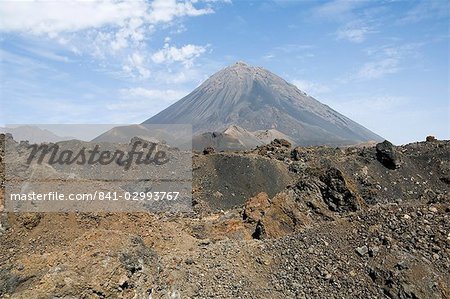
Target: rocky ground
(274, 222)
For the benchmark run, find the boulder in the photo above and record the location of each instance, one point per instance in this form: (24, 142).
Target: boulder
(281, 143)
(387, 155)
(275, 217)
(208, 150)
(431, 139)
(256, 207)
(339, 193)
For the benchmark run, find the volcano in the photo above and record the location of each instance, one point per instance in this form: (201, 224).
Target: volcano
(255, 99)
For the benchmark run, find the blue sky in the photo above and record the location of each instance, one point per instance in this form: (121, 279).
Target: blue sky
(385, 64)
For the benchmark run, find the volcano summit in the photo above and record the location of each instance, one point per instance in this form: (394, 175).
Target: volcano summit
(255, 99)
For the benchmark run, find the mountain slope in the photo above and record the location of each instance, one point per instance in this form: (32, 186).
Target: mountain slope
(256, 99)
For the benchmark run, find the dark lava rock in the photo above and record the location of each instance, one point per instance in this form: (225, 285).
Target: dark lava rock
(281, 143)
(337, 192)
(279, 149)
(208, 150)
(387, 155)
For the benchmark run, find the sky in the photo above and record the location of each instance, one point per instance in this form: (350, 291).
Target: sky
(384, 64)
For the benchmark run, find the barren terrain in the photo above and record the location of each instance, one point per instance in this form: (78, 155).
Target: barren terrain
(274, 222)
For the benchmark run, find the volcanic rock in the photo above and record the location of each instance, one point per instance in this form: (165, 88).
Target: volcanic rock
(387, 155)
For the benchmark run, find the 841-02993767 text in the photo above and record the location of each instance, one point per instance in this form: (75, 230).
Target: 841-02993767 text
(97, 195)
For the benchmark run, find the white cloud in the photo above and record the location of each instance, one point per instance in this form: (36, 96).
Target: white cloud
(310, 87)
(185, 54)
(132, 32)
(337, 9)
(426, 9)
(356, 19)
(355, 34)
(54, 17)
(135, 66)
(167, 10)
(377, 69)
(385, 60)
(111, 31)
